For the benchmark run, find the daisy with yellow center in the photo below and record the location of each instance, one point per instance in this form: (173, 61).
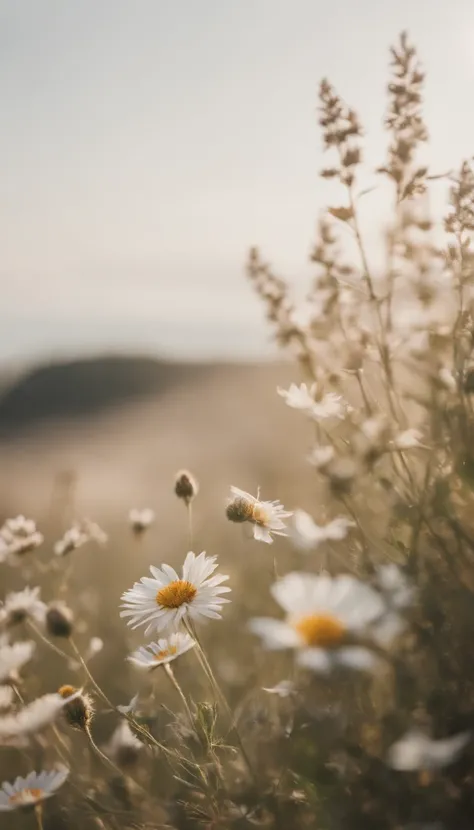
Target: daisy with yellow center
(265, 516)
(326, 616)
(26, 792)
(163, 600)
(163, 651)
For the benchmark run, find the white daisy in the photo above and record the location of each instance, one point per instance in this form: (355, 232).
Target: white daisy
(395, 587)
(19, 605)
(78, 535)
(140, 520)
(34, 716)
(13, 657)
(164, 651)
(326, 619)
(307, 535)
(19, 536)
(26, 792)
(285, 688)
(123, 746)
(166, 599)
(415, 751)
(265, 516)
(304, 399)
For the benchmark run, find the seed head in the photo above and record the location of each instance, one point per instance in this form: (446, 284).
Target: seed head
(59, 619)
(239, 510)
(186, 486)
(78, 712)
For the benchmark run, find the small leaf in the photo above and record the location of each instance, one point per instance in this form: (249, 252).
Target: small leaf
(342, 213)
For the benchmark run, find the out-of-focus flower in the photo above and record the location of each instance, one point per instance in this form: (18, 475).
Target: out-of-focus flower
(78, 707)
(95, 647)
(6, 698)
(409, 439)
(395, 586)
(59, 619)
(164, 651)
(19, 536)
(265, 516)
(78, 535)
(415, 751)
(34, 716)
(13, 657)
(302, 398)
(36, 787)
(320, 457)
(307, 535)
(129, 707)
(20, 605)
(327, 618)
(186, 486)
(140, 520)
(285, 688)
(123, 746)
(165, 599)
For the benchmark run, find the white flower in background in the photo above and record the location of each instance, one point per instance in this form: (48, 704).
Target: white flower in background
(123, 746)
(78, 535)
(415, 751)
(285, 688)
(19, 536)
(302, 398)
(34, 716)
(26, 792)
(320, 457)
(21, 605)
(265, 516)
(165, 599)
(95, 647)
(13, 657)
(446, 379)
(395, 587)
(164, 651)
(307, 535)
(6, 698)
(409, 439)
(140, 520)
(326, 616)
(130, 707)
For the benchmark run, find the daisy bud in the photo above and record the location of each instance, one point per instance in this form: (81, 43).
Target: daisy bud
(186, 486)
(239, 510)
(78, 712)
(59, 619)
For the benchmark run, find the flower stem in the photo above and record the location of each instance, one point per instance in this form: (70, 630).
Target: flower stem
(39, 816)
(170, 674)
(47, 642)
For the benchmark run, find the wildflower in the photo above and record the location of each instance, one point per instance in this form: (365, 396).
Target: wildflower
(186, 486)
(166, 599)
(327, 620)
(78, 535)
(409, 439)
(77, 706)
(265, 516)
(6, 698)
(95, 647)
(164, 651)
(19, 536)
(123, 746)
(140, 520)
(285, 688)
(307, 535)
(26, 792)
(59, 619)
(320, 457)
(129, 707)
(34, 716)
(394, 585)
(20, 605)
(13, 657)
(415, 751)
(302, 398)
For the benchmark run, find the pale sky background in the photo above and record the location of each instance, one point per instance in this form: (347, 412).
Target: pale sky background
(145, 144)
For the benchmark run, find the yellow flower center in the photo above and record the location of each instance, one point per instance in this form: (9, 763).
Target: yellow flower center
(176, 594)
(321, 630)
(166, 652)
(66, 691)
(26, 795)
(260, 515)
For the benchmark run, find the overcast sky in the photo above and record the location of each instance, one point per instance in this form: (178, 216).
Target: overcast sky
(145, 144)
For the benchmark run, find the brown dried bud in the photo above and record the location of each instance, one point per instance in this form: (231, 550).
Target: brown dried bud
(186, 486)
(78, 712)
(239, 510)
(59, 619)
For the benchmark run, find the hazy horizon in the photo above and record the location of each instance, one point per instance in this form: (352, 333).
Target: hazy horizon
(147, 146)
